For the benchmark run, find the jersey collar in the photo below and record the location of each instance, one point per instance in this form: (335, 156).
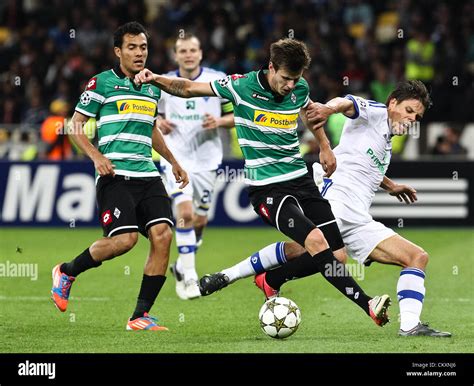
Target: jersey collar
(263, 81)
(198, 75)
(118, 71)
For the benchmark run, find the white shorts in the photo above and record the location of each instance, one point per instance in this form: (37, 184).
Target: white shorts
(199, 190)
(361, 234)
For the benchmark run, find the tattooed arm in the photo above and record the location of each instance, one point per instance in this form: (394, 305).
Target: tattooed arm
(183, 88)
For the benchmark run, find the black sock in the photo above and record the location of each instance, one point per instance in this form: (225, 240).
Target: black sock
(198, 232)
(81, 263)
(302, 266)
(150, 288)
(337, 274)
(332, 269)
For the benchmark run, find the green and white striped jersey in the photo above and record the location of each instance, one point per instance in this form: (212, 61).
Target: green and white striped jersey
(266, 126)
(125, 117)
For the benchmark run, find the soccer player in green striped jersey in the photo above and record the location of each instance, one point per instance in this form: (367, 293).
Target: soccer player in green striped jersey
(130, 194)
(267, 104)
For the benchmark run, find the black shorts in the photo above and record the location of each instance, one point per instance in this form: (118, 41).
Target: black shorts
(295, 208)
(132, 204)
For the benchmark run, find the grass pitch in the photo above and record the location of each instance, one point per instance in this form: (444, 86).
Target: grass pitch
(227, 321)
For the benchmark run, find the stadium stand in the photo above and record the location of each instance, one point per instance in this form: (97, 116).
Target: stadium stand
(357, 46)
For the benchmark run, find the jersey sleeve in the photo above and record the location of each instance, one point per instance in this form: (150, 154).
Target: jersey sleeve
(306, 97)
(228, 88)
(360, 106)
(364, 108)
(226, 107)
(306, 102)
(93, 97)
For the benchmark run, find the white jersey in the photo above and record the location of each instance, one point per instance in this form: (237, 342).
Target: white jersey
(195, 148)
(363, 156)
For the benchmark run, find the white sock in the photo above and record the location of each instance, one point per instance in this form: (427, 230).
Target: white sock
(271, 256)
(186, 243)
(411, 292)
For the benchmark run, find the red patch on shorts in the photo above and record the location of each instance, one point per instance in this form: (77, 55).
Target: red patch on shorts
(106, 217)
(264, 211)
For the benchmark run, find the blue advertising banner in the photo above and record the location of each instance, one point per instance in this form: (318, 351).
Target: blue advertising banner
(63, 193)
(56, 194)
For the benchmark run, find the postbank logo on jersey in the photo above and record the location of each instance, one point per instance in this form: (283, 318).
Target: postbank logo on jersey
(278, 121)
(136, 106)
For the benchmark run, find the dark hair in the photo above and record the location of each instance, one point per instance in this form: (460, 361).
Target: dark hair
(291, 54)
(411, 89)
(186, 36)
(132, 28)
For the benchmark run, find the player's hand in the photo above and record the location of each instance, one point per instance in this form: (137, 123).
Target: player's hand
(180, 175)
(144, 76)
(166, 126)
(103, 166)
(404, 193)
(318, 114)
(210, 122)
(327, 159)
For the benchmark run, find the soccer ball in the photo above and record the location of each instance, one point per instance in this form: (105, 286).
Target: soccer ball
(279, 317)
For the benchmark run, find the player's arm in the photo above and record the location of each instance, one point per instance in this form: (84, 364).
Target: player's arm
(183, 88)
(319, 113)
(164, 125)
(159, 145)
(326, 156)
(102, 164)
(402, 192)
(211, 122)
(225, 120)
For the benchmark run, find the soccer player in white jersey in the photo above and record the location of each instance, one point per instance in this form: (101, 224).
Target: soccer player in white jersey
(363, 156)
(190, 130)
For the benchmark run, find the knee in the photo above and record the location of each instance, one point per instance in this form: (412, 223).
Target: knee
(161, 235)
(420, 259)
(125, 242)
(185, 217)
(315, 242)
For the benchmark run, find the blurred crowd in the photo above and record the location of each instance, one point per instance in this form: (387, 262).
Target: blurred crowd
(49, 49)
